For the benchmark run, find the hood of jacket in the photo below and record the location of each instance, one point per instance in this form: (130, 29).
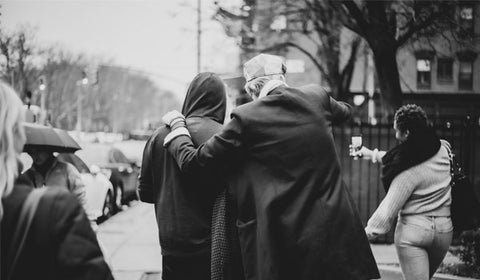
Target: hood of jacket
(206, 97)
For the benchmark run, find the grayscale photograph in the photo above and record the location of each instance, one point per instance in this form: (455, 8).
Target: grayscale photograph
(239, 139)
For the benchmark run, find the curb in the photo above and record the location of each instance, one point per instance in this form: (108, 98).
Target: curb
(396, 271)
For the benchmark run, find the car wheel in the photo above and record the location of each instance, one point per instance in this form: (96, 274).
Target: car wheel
(118, 198)
(107, 210)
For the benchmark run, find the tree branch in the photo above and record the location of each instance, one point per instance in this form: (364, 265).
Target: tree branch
(402, 39)
(357, 14)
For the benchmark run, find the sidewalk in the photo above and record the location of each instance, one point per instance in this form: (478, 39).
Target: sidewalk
(129, 241)
(388, 264)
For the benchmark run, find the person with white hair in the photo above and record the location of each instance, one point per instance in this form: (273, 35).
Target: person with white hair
(45, 233)
(295, 216)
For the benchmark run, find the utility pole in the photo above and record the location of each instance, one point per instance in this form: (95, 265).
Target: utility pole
(199, 35)
(79, 111)
(82, 83)
(43, 95)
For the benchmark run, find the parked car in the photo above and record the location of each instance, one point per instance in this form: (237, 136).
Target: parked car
(99, 191)
(123, 174)
(121, 170)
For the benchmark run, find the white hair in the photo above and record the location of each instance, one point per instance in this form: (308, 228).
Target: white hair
(12, 138)
(254, 87)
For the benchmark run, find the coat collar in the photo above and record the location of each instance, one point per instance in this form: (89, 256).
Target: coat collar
(269, 86)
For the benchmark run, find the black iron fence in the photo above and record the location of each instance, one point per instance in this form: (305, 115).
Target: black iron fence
(363, 177)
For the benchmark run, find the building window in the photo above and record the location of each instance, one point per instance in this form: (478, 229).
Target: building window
(445, 70)
(423, 73)
(465, 75)
(466, 20)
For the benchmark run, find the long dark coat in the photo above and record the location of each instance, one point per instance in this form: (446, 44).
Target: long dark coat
(60, 244)
(296, 219)
(184, 204)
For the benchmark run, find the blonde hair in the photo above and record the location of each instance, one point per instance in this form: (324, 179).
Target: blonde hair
(12, 138)
(254, 87)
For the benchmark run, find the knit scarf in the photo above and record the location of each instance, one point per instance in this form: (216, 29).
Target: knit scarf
(269, 86)
(421, 145)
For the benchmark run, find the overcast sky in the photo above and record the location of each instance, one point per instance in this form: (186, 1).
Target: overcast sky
(154, 36)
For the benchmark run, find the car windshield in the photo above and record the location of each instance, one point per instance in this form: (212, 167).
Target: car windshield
(116, 156)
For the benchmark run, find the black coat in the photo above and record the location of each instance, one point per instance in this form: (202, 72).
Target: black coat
(184, 204)
(296, 218)
(60, 244)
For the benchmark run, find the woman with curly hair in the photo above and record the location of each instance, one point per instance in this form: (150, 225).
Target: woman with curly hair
(416, 178)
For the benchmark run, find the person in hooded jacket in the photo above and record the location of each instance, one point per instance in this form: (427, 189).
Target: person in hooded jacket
(184, 204)
(59, 242)
(295, 216)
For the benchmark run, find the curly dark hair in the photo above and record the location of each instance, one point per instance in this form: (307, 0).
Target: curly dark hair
(410, 117)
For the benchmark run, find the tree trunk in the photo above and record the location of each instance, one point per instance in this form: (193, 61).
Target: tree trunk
(346, 74)
(385, 59)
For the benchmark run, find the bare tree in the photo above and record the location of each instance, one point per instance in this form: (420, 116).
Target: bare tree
(122, 99)
(389, 25)
(6, 48)
(386, 25)
(311, 27)
(17, 49)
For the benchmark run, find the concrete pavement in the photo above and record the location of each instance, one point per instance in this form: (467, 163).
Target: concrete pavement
(129, 241)
(388, 264)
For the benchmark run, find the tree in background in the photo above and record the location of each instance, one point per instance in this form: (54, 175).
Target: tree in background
(314, 26)
(389, 25)
(311, 27)
(122, 100)
(17, 51)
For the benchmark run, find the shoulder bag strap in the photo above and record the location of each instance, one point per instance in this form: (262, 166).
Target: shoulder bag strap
(23, 226)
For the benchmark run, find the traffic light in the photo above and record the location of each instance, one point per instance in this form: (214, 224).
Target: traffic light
(41, 83)
(28, 97)
(91, 72)
(84, 78)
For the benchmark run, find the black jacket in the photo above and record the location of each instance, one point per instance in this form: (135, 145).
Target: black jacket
(60, 244)
(296, 219)
(184, 204)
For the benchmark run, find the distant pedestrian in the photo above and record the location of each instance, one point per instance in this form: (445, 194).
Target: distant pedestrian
(184, 202)
(45, 233)
(296, 219)
(416, 177)
(47, 170)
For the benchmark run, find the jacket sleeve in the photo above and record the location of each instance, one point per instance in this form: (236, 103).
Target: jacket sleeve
(213, 154)
(400, 191)
(79, 255)
(341, 111)
(145, 182)
(75, 183)
(338, 111)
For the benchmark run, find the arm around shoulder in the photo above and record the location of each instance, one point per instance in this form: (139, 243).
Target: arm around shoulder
(215, 152)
